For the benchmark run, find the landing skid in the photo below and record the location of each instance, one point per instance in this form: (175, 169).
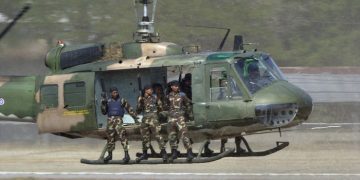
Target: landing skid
(205, 154)
(239, 152)
(279, 146)
(160, 161)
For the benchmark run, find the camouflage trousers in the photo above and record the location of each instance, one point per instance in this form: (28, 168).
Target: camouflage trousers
(177, 124)
(115, 130)
(150, 125)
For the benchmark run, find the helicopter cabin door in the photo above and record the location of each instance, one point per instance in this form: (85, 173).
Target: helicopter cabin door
(223, 103)
(67, 103)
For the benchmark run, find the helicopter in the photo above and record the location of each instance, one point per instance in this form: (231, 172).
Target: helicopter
(234, 93)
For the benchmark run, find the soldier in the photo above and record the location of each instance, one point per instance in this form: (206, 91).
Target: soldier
(114, 108)
(254, 79)
(178, 103)
(186, 85)
(159, 92)
(150, 105)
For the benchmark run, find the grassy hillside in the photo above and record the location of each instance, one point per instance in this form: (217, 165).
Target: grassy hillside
(296, 33)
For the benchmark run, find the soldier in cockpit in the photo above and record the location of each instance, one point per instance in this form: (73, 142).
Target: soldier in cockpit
(255, 79)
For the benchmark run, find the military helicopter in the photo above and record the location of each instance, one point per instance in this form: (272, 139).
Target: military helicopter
(234, 93)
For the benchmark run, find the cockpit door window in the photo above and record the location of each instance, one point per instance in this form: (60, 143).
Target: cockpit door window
(218, 84)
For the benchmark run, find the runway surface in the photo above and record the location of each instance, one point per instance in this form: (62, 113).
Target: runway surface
(316, 151)
(327, 88)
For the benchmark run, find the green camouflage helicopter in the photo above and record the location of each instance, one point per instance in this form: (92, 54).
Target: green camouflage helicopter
(234, 93)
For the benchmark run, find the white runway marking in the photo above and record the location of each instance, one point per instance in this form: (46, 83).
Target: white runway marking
(335, 124)
(168, 174)
(320, 127)
(329, 125)
(325, 127)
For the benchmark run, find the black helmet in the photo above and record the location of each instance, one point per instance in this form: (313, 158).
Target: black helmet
(146, 87)
(187, 76)
(253, 67)
(112, 89)
(174, 83)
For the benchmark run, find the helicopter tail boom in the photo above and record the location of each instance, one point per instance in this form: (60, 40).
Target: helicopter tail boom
(17, 100)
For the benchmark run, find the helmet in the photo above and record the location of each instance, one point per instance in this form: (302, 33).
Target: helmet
(112, 89)
(174, 83)
(253, 67)
(146, 87)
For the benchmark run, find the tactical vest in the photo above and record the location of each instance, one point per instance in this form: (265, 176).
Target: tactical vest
(115, 108)
(150, 104)
(176, 103)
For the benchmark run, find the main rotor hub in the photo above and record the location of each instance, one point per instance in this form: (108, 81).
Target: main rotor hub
(145, 29)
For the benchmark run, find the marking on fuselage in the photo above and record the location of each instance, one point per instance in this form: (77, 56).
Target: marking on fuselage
(77, 112)
(2, 101)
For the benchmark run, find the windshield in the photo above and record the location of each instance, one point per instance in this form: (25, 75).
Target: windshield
(258, 72)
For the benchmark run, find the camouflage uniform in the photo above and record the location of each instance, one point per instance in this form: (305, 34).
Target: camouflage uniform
(178, 103)
(115, 128)
(150, 106)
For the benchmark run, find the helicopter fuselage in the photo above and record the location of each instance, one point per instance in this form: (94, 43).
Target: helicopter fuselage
(226, 102)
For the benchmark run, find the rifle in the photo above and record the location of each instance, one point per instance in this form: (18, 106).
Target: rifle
(103, 90)
(180, 75)
(139, 84)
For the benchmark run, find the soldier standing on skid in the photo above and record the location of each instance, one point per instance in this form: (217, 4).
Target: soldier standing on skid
(150, 105)
(114, 109)
(178, 103)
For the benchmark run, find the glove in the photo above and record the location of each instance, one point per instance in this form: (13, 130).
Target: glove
(103, 101)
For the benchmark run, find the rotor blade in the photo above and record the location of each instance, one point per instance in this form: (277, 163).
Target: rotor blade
(238, 43)
(13, 22)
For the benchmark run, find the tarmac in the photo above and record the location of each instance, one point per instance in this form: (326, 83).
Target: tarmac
(316, 151)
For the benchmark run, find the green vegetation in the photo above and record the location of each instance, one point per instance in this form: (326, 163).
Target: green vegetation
(295, 33)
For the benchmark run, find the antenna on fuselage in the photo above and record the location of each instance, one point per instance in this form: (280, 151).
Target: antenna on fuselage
(145, 29)
(220, 48)
(13, 22)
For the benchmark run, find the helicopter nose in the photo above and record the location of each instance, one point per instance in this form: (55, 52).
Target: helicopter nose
(304, 102)
(282, 104)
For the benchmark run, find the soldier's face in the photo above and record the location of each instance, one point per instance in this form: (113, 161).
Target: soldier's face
(175, 88)
(158, 90)
(149, 91)
(254, 74)
(187, 82)
(114, 94)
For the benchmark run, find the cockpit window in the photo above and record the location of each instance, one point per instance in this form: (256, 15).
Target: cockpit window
(271, 64)
(258, 72)
(218, 84)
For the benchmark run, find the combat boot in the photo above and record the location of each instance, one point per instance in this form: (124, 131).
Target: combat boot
(174, 154)
(126, 158)
(108, 157)
(190, 155)
(164, 155)
(144, 156)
